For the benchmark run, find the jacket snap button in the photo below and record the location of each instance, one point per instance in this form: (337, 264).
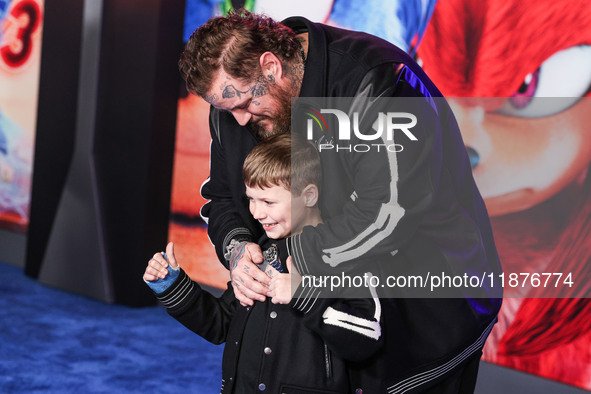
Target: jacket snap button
(267, 350)
(358, 391)
(273, 315)
(262, 387)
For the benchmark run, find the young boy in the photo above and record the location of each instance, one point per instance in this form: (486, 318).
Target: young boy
(270, 346)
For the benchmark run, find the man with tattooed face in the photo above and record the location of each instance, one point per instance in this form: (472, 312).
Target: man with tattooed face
(255, 84)
(264, 105)
(414, 210)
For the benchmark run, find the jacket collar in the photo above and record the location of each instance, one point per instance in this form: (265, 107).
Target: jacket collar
(314, 83)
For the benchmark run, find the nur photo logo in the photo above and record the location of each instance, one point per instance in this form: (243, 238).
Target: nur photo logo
(380, 136)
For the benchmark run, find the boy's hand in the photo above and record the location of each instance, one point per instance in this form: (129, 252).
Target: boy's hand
(281, 285)
(156, 268)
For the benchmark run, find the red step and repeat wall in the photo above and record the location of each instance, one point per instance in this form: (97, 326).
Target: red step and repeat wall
(21, 23)
(493, 59)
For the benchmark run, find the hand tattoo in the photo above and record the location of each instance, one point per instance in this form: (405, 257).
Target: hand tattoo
(236, 255)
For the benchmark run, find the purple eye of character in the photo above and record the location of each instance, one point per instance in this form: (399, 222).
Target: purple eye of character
(526, 91)
(559, 83)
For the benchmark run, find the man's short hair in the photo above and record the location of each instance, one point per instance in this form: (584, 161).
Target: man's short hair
(284, 160)
(235, 44)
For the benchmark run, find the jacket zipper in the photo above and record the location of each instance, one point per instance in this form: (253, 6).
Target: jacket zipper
(327, 362)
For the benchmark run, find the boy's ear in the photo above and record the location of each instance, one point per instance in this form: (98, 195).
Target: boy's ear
(310, 194)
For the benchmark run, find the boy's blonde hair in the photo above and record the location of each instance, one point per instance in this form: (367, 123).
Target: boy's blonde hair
(283, 160)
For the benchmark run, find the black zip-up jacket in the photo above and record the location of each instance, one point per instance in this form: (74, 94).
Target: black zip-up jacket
(412, 212)
(275, 348)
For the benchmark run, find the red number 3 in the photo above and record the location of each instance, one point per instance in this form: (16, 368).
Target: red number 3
(19, 45)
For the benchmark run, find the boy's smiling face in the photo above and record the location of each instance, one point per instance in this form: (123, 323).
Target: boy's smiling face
(272, 207)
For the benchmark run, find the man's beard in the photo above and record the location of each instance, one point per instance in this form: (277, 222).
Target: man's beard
(280, 120)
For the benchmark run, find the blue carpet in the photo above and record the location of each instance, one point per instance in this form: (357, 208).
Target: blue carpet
(57, 342)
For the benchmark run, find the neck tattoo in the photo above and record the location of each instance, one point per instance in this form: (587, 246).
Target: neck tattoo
(303, 55)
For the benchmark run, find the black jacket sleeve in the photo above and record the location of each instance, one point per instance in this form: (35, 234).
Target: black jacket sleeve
(351, 328)
(220, 212)
(198, 310)
(393, 190)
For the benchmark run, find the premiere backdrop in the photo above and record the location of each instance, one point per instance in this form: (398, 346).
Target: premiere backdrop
(530, 161)
(21, 23)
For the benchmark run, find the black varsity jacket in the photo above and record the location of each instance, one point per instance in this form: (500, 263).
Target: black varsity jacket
(275, 348)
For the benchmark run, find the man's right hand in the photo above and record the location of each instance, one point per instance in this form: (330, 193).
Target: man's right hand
(249, 282)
